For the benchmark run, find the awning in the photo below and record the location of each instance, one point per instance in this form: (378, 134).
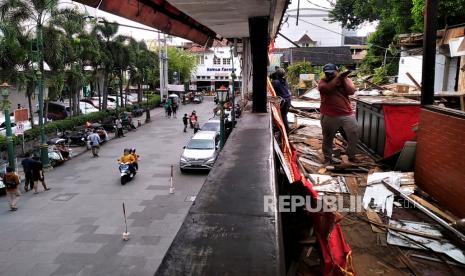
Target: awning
(158, 14)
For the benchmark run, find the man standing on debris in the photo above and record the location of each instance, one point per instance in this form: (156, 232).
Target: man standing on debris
(336, 111)
(282, 90)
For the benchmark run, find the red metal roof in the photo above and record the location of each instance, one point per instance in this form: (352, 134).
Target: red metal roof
(158, 14)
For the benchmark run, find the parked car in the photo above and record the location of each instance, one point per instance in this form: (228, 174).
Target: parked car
(212, 125)
(201, 152)
(57, 111)
(87, 108)
(26, 126)
(110, 104)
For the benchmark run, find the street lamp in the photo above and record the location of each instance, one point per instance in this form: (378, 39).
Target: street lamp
(221, 95)
(147, 108)
(5, 87)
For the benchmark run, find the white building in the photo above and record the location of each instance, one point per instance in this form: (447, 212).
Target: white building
(214, 67)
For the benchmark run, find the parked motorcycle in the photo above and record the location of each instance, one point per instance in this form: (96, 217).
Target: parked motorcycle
(126, 174)
(77, 138)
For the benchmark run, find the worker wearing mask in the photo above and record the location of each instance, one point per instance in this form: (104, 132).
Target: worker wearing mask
(336, 111)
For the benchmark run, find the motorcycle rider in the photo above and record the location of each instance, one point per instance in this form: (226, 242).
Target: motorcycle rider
(136, 157)
(127, 157)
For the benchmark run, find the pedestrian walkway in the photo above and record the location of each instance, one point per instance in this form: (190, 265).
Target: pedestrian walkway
(76, 228)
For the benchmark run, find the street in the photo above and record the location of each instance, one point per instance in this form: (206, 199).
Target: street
(76, 227)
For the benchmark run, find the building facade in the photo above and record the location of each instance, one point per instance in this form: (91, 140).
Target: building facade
(214, 67)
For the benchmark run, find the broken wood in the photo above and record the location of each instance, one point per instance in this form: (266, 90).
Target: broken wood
(433, 208)
(414, 81)
(373, 216)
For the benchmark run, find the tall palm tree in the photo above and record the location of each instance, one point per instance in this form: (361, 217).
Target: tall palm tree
(29, 14)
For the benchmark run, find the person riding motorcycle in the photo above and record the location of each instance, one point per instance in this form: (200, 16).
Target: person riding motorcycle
(136, 157)
(127, 157)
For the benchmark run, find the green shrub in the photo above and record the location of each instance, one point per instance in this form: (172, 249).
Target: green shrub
(72, 122)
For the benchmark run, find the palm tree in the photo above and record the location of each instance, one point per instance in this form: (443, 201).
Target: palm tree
(33, 14)
(105, 32)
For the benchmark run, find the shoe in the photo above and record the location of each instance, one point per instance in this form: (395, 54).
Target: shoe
(35, 193)
(26, 189)
(47, 189)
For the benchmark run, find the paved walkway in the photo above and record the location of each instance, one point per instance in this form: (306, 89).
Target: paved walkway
(76, 228)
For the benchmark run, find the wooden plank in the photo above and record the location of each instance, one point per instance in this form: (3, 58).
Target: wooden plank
(461, 84)
(433, 208)
(373, 216)
(414, 81)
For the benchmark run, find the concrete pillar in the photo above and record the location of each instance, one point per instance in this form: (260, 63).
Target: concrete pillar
(258, 29)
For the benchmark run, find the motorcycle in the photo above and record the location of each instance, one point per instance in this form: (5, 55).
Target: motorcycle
(77, 138)
(126, 174)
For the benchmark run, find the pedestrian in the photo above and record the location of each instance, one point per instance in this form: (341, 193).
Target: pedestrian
(165, 106)
(11, 181)
(336, 111)
(196, 126)
(174, 108)
(38, 175)
(119, 127)
(282, 90)
(170, 110)
(95, 141)
(27, 169)
(185, 121)
(193, 119)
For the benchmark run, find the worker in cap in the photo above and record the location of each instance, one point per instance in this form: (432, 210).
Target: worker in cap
(336, 112)
(282, 90)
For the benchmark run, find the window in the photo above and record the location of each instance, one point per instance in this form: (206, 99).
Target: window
(200, 59)
(226, 61)
(216, 61)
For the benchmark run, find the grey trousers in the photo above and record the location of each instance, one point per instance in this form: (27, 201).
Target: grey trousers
(330, 125)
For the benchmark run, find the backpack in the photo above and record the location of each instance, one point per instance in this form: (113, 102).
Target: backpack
(10, 184)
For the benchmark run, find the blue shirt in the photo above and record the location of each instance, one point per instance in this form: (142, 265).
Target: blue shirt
(94, 139)
(281, 88)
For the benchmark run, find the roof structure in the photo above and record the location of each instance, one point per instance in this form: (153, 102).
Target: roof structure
(305, 39)
(340, 55)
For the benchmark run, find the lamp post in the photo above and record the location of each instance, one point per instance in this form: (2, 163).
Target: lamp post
(147, 108)
(221, 95)
(5, 87)
(40, 84)
(233, 77)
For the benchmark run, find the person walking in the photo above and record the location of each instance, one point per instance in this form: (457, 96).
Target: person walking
(196, 126)
(27, 169)
(119, 127)
(174, 107)
(282, 90)
(170, 110)
(38, 175)
(185, 121)
(95, 141)
(11, 181)
(336, 111)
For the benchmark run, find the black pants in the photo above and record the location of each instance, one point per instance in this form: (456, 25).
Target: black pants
(29, 180)
(120, 132)
(185, 127)
(285, 105)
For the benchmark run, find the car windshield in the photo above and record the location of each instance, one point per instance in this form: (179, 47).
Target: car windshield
(202, 144)
(211, 126)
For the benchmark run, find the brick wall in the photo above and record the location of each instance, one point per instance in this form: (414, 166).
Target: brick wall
(440, 159)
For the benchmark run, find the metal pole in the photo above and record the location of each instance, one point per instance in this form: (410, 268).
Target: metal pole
(165, 65)
(43, 139)
(9, 136)
(222, 134)
(160, 67)
(429, 52)
(233, 77)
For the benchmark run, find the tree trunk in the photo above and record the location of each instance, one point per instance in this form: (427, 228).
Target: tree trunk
(99, 94)
(105, 90)
(121, 88)
(139, 92)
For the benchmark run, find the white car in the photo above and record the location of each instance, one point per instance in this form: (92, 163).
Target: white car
(201, 151)
(26, 126)
(87, 108)
(110, 104)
